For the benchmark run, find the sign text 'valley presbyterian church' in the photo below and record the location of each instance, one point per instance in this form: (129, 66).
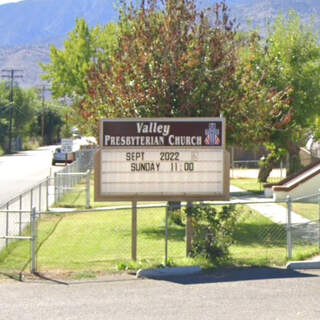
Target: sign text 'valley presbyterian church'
(162, 159)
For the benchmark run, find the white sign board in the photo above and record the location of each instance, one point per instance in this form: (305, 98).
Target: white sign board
(66, 145)
(196, 170)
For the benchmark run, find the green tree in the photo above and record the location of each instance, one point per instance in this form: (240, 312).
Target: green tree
(167, 58)
(22, 109)
(69, 67)
(54, 119)
(289, 61)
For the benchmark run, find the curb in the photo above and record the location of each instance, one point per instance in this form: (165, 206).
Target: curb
(309, 264)
(168, 272)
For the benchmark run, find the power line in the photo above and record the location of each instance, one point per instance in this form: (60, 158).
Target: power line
(11, 74)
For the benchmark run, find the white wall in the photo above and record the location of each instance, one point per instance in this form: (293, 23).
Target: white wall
(309, 187)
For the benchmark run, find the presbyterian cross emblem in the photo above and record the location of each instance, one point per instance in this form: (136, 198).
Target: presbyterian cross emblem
(212, 135)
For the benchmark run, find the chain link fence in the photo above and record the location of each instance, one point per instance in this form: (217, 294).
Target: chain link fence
(70, 179)
(94, 241)
(307, 232)
(15, 213)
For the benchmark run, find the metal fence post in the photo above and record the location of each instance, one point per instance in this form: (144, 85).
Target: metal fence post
(47, 194)
(55, 187)
(34, 241)
(39, 209)
(289, 239)
(319, 218)
(166, 237)
(88, 189)
(20, 215)
(31, 199)
(7, 224)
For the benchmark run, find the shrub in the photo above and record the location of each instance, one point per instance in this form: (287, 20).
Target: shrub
(213, 231)
(177, 217)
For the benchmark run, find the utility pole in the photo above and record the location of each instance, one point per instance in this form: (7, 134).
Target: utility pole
(43, 89)
(11, 74)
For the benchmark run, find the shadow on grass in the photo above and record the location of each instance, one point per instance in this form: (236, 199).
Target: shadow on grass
(174, 233)
(260, 234)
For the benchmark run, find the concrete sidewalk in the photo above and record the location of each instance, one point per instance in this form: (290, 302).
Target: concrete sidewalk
(278, 214)
(273, 211)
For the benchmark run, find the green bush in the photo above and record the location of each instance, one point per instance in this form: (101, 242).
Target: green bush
(177, 217)
(213, 231)
(31, 144)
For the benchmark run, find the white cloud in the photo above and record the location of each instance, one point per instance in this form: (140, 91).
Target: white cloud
(7, 1)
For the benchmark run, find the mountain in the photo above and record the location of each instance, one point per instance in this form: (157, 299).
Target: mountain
(28, 27)
(260, 13)
(38, 22)
(25, 58)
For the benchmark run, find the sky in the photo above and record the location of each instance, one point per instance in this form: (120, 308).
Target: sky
(7, 1)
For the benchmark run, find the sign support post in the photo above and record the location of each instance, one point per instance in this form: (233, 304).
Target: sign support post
(134, 231)
(189, 230)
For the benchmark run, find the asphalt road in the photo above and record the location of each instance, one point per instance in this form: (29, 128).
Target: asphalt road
(256, 293)
(23, 170)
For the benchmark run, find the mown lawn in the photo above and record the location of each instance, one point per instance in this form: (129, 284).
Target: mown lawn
(260, 242)
(250, 185)
(100, 242)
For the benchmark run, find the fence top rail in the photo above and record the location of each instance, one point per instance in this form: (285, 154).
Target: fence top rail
(16, 237)
(15, 211)
(305, 197)
(21, 194)
(72, 173)
(246, 161)
(150, 206)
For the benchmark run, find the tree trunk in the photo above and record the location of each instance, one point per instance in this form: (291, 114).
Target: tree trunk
(294, 160)
(266, 167)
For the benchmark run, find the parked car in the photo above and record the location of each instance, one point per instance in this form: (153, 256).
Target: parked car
(62, 157)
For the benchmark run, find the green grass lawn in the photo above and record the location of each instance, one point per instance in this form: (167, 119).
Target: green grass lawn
(251, 185)
(260, 242)
(307, 210)
(100, 242)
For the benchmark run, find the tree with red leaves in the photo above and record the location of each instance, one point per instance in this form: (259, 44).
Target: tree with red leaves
(172, 60)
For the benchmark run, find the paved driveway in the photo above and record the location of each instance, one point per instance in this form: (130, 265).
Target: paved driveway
(253, 293)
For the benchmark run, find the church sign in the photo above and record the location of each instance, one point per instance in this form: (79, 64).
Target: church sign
(162, 159)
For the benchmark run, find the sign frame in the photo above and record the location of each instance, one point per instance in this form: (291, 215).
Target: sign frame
(99, 196)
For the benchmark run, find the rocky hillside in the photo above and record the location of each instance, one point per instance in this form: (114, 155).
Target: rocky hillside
(260, 13)
(39, 22)
(25, 58)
